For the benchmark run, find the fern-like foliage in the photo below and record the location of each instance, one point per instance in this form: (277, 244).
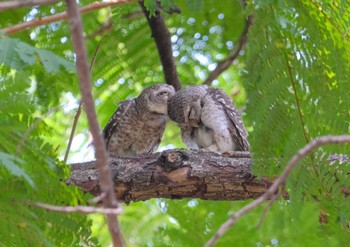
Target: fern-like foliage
(29, 172)
(297, 72)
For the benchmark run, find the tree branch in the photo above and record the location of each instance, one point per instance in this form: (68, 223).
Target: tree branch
(176, 174)
(81, 209)
(180, 173)
(105, 177)
(161, 36)
(280, 181)
(61, 16)
(28, 3)
(225, 64)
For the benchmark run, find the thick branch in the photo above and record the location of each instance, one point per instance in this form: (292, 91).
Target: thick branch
(161, 36)
(86, 91)
(225, 64)
(61, 16)
(176, 174)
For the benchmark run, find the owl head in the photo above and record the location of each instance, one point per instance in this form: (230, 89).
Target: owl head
(185, 107)
(156, 98)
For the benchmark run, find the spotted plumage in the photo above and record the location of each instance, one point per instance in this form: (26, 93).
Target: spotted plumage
(208, 119)
(138, 124)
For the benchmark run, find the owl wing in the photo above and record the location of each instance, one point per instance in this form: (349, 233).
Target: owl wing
(236, 127)
(157, 136)
(116, 118)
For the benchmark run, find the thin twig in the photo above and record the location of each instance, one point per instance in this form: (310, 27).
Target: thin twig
(161, 36)
(297, 102)
(77, 115)
(28, 3)
(98, 198)
(59, 17)
(81, 209)
(105, 176)
(302, 120)
(72, 132)
(268, 206)
(225, 64)
(324, 140)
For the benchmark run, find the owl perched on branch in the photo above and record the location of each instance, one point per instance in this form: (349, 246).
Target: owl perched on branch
(208, 119)
(137, 126)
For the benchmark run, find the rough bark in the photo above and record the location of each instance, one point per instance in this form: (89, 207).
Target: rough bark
(176, 174)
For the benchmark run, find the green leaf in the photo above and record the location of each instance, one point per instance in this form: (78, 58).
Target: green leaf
(26, 53)
(9, 162)
(151, 6)
(18, 55)
(52, 63)
(167, 4)
(9, 53)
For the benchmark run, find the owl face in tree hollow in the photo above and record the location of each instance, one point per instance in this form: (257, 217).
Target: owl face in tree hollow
(157, 97)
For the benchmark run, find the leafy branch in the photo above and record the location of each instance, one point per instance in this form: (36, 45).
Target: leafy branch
(278, 185)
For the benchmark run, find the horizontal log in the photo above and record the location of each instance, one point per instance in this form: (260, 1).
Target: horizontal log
(176, 174)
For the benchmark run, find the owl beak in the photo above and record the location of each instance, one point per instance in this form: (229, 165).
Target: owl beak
(194, 123)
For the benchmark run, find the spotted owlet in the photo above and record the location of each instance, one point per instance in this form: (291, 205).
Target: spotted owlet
(137, 126)
(208, 119)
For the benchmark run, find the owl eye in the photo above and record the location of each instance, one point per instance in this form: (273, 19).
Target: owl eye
(162, 93)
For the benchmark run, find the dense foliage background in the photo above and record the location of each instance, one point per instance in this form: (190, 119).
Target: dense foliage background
(291, 81)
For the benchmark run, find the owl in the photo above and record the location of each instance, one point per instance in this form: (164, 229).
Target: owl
(137, 126)
(208, 119)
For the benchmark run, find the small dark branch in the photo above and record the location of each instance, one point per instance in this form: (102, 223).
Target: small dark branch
(280, 181)
(161, 36)
(71, 136)
(60, 16)
(297, 101)
(81, 209)
(28, 3)
(105, 176)
(225, 64)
